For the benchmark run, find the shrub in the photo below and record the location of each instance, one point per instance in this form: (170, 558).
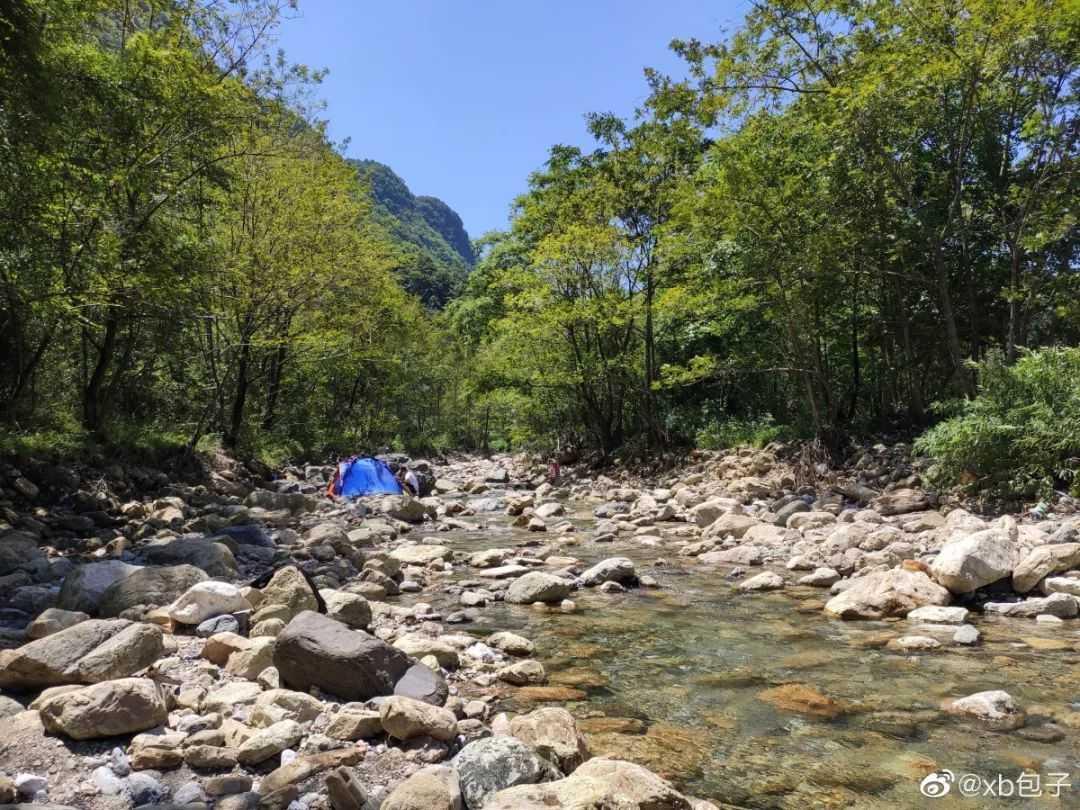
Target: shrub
(1020, 436)
(720, 434)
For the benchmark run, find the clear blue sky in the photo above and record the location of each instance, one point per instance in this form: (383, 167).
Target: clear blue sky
(463, 99)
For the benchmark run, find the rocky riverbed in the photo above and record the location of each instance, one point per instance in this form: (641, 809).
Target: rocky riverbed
(727, 630)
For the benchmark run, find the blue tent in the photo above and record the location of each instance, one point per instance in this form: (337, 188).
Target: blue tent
(358, 476)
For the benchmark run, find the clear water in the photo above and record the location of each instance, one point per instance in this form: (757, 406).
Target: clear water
(679, 672)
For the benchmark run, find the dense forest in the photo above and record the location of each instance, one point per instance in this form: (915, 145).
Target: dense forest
(836, 217)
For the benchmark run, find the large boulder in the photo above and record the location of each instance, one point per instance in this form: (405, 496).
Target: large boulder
(1043, 561)
(599, 784)
(315, 650)
(84, 587)
(613, 569)
(887, 593)
(289, 587)
(106, 709)
(405, 718)
(205, 600)
(554, 734)
(969, 562)
(538, 586)
(150, 585)
(88, 652)
(432, 788)
(491, 764)
(213, 558)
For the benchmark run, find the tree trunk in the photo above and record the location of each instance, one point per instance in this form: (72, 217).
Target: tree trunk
(236, 420)
(93, 406)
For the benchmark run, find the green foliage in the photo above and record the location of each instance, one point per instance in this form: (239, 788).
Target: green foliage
(434, 252)
(758, 432)
(1020, 434)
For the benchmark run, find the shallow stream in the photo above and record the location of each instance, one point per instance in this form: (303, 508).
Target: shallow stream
(674, 678)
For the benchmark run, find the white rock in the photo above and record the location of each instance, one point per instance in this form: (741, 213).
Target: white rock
(936, 614)
(972, 561)
(205, 600)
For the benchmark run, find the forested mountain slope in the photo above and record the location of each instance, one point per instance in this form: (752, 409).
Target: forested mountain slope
(436, 255)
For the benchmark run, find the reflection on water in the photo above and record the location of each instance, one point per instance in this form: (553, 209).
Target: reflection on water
(743, 699)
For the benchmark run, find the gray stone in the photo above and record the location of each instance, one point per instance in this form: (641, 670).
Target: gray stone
(84, 587)
(315, 650)
(105, 709)
(489, 765)
(613, 569)
(149, 586)
(213, 558)
(422, 683)
(91, 651)
(538, 586)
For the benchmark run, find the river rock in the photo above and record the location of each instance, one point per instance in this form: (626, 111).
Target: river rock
(420, 554)
(269, 742)
(150, 585)
(765, 581)
(315, 650)
(887, 593)
(53, 620)
(404, 718)
(213, 558)
(84, 587)
(348, 608)
(554, 734)
(1043, 561)
(511, 643)
(1062, 605)
(489, 765)
(967, 563)
(289, 587)
(205, 600)
(900, 502)
(613, 569)
(804, 699)
(522, 673)
(731, 525)
(422, 683)
(538, 586)
(107, 709)
(88, 652)
(599, 784)
(354, 724)
(432, 788)
(933, 614)
(419, 645)
(995, 708)
(739, 555)
(18, 550)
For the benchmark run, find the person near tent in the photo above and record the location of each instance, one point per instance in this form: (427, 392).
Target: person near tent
(409, 481)
(553, 471)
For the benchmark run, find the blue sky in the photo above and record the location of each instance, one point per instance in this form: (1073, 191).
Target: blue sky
(463, 99)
